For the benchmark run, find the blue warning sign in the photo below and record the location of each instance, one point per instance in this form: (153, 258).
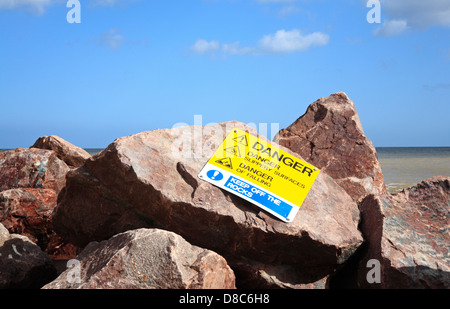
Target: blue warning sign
(259, 196)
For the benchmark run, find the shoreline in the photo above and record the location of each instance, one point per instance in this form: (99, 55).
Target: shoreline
(403, 167)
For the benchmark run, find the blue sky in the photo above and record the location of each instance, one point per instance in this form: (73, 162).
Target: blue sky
(137, 65)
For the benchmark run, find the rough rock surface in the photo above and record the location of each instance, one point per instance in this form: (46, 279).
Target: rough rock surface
(409, 234)
(254, 275)
(23, 265)
(430, 193)
(330, 136)
(73, 156)
(150, 180)
(30, 181)
(32, 168)
(28, 212)
(147, 259)
(4, 234)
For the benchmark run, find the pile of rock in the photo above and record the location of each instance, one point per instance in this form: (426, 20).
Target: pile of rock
(136, 215)
(146, 259)
(23, 265)
(30, 181)
(330, 136)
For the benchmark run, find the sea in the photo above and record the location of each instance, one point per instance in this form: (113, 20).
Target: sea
(403, 167)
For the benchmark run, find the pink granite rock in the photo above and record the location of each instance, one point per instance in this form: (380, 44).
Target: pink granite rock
(147, 259)
(32, 168)
(409, 235)
(73, 156)
(150, 180)
(330, 136)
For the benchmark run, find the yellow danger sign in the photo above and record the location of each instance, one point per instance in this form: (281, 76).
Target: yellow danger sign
(261, 173)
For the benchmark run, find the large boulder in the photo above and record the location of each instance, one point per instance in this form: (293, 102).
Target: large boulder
(330, 136)
(409, 236)
(73, 156)
(30, 181)
(255, 275)
(32, 168)
(146, 259)
(150, 180)
(23, 265)
(28, 212)
(431, 193)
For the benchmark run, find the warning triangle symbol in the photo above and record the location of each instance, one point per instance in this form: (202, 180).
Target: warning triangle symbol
(225, 162)
(234, 151)
(241, 140)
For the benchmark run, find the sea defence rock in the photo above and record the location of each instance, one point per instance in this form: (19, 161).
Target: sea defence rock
(330, 136)
(146, 259)
(431, 193)
(409, 236)
(28, 212)
(73, 156)
(150, 180)
(255, 275)
(30, 181)
(32, 168)
(23, 265)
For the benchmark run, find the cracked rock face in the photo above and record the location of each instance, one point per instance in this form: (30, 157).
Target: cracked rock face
(31, 168)
(409, 235)
(30, 181)
(28, 212)
(146, 259)
(330, 136)
(150, 180)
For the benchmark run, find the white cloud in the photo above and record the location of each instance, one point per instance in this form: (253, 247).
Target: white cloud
(40, 6)
(35, 6)
(282, 42)
(391, 28)
(112, 39)
(418, 13)
(292, 41)
(277, 1)
(203, 46)
(236, 49)
(95, 3)
(289, 10)
(288, 7)
(104, 2)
